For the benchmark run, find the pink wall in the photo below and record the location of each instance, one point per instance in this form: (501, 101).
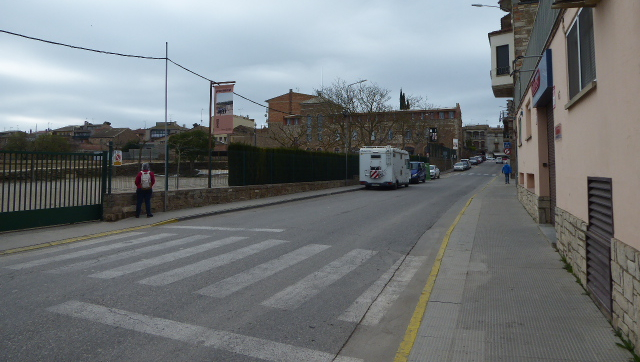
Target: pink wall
(600, 132)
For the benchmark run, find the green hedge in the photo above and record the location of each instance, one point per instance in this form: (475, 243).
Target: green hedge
(249, 165)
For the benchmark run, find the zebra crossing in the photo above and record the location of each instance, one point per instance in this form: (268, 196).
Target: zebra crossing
(116, 256)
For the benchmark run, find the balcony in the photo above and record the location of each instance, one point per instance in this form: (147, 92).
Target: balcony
(502, 45)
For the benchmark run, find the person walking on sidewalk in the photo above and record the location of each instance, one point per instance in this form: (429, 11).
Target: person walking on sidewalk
(506, 170)
(144, 183)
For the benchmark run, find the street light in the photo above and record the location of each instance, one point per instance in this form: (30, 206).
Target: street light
(482, 6)
(488, 6)
(347, 141)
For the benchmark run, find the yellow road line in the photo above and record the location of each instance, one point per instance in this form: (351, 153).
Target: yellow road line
(402, 355)
(80, 238)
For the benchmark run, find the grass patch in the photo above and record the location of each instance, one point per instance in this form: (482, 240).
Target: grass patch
(626, 344)
(569, 268)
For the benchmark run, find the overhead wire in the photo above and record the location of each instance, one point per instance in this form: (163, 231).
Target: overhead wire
(81, 48)
(139, 57)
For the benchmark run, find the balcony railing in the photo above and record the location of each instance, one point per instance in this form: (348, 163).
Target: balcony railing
(506, 70)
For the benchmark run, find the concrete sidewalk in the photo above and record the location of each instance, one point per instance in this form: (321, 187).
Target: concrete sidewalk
(502, 294)
(15, 241)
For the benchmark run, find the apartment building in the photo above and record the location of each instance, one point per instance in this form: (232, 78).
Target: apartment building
(577, 122)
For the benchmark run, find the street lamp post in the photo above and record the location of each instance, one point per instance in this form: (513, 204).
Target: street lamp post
(488, 6)
(347, 141)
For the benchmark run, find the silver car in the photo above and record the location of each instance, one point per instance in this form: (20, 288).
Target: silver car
(460, 166)
(435, 171)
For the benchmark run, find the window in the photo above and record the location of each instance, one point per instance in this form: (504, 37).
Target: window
(452, 114)
(581, 57)
(390, 135)
(441, 114)
(527, 119)
(502, 60)
(520, 128)
(320, 127)
(408, 135)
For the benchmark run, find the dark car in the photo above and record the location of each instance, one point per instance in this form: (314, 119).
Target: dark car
(418, 172)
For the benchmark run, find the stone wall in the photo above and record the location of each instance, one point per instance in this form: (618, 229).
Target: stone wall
(571, 242)
(537, 206)
(123, 205)
(625, 275)
(625, 272)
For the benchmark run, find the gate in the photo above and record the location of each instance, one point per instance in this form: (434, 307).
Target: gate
(599, 235)
(47, 188)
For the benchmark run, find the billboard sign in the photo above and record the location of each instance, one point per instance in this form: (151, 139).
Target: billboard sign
(223, 109)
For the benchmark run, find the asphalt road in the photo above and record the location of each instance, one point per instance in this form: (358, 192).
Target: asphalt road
(302, 281)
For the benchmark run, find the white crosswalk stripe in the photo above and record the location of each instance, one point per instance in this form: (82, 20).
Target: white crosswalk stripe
(81, 253)
(74, 245)
(143, 264)
(208, 264)
(217, 228)
(195, 335)
(357, 310)
(392, 291)
(127, 254)
(295, 295)
(239, 281)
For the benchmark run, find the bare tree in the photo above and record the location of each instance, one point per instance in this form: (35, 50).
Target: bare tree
(418, 102)
(289, 136)
(361, 105)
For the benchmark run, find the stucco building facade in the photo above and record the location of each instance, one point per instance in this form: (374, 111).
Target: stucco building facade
(577, 121)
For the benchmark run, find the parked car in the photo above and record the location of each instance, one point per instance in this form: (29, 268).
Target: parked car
(499, 160)
(435, 171)
(418, 172)
(473, 161)
(460, 166)
(467, 163)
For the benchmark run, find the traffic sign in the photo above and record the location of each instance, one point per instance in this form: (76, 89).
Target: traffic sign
(507, 151)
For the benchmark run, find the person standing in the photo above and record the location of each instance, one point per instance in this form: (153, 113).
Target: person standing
(144, 183)
(506, 170)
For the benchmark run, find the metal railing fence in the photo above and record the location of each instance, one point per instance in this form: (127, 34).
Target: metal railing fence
(46, 180)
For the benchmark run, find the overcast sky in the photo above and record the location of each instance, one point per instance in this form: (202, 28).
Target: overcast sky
(437, 49)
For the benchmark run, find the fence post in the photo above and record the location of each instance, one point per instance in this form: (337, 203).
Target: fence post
(110, 166)
(104, 173)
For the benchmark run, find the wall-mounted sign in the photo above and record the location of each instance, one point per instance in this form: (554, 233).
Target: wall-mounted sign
(558, 131)
(117, 158)
(542, 81)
